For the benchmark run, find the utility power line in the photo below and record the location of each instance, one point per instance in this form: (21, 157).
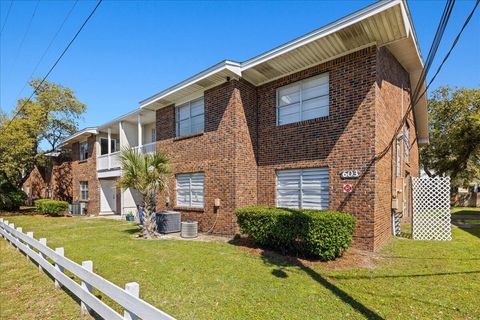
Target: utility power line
(54, 65)
(6, 18)
(48, 48)
(20, 47)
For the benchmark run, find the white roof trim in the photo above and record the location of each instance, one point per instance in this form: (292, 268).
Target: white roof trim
(90, 130)
(238, 68)
(322, 32)
(224, 65)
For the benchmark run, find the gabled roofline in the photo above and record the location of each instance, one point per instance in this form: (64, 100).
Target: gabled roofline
(88, 130)
(341, 23)
(328, 29)
(223, 65)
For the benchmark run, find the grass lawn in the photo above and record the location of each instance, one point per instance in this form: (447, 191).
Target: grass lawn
(213, 280)
(25, 293)
(465, 210)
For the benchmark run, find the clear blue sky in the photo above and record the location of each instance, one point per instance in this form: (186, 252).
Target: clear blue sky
(131, 50)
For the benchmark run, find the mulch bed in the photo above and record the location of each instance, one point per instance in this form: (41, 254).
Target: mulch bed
(352, 258)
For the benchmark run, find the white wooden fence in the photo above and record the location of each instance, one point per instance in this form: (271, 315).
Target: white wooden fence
(128, 298)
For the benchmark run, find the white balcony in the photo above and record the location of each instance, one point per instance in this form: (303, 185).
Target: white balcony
(108, 161)
(146, 148)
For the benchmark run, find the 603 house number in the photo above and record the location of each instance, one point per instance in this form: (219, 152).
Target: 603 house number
(350, 174)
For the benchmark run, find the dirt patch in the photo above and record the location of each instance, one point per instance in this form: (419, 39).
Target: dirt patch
(352, 258)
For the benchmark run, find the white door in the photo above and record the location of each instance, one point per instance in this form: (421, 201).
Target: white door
(108, 201)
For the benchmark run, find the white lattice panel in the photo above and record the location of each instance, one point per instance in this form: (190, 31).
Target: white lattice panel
(431, 208)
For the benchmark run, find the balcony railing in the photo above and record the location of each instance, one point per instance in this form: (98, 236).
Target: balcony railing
(147, 148)
(108, 161)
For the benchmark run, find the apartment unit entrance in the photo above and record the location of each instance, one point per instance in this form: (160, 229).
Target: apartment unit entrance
(108, 196)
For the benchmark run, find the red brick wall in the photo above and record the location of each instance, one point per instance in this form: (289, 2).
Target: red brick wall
(344, 140)
(61, 181)
(391, 78)
(35, 186)
(86, 170)
(242, 147)
(224, 152)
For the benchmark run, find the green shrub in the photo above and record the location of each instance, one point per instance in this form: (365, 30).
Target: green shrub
(324, 234)
(11, 198)
(51, 207)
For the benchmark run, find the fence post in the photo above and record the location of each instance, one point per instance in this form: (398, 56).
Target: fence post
(60, 252)
(30, 235)
(134, 289)
(19, 229)
(84, 309)
(44, 242)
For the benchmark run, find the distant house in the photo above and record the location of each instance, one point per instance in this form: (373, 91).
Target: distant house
(52, 181)
(297, 126)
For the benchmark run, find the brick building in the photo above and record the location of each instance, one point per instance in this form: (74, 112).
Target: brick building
(297, 126)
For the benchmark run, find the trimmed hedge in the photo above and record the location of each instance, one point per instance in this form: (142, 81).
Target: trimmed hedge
(51, 207)
(324, 234)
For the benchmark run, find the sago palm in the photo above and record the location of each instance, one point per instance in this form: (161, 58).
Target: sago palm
(148, 174)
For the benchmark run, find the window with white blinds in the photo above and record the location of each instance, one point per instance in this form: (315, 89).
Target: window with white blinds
(190, 190)
(406, 140)
(302, 188)
(190, 118)
(303, 100)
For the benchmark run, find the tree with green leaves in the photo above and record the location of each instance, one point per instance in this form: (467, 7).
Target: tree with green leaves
(46, 119)
(454, 149)
(148, 175)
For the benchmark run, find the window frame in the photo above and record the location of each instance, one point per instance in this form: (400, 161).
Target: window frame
(84, 190)
(112, 148)
(398, 156)
(406, 139)
(153, 134)
(190, 205)
(177, 117)
(81, 155)
(301, 101)
(301, 188)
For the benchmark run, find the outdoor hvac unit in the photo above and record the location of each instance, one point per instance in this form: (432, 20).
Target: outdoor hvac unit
(168, 221)
(76, 208)
(189, 229)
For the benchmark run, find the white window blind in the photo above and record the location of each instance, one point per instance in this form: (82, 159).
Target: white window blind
(190, 117)
(303, 100)
(190, 190)
(302, 188)
(83, 190)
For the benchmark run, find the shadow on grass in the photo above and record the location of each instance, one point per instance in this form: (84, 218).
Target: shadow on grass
(392, 276)
(134, 230)
(344, 296)
(281, 261)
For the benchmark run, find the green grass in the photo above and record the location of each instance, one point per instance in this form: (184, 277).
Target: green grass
(465, 210)
(212, 280)
(26, 293)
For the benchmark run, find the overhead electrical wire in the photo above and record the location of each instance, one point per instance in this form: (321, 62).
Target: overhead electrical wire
(48, 48)
(20, 109)
(430, 58)
(6, 17)
(20, 47)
